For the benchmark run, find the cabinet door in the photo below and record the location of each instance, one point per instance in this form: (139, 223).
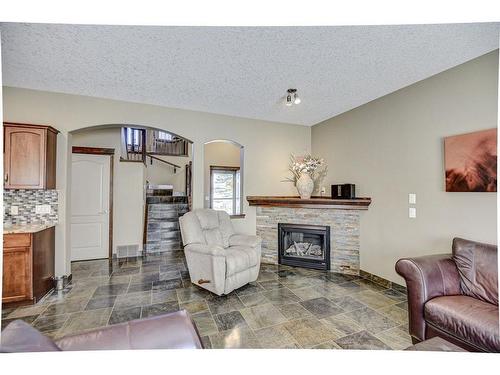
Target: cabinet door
(24, 159)
(16, 274)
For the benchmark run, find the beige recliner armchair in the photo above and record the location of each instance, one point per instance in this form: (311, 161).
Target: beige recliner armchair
(218, 259)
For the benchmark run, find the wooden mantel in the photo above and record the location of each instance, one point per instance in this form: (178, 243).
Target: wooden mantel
(313, 202)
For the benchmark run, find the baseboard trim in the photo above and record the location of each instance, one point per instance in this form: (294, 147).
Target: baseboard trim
(381, 281)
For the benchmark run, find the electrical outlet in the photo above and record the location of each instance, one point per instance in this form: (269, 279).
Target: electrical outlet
(14, 210)
(42, 209)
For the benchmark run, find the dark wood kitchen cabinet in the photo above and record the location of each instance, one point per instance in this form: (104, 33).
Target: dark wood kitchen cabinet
(29, 156)
(28, 266)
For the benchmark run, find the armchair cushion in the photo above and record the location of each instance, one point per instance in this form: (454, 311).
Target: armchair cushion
(213, 237)
(244, 240)
(466, 318)
(477, 265)
(212, 250)
(208, 219)
(191, 230)
(206, 226)
(240, 258)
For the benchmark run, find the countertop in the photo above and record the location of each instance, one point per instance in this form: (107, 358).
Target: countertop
(26, 228)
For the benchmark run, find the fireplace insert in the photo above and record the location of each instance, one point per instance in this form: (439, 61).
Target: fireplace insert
(304, 245)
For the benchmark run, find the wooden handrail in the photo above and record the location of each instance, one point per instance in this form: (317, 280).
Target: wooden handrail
(164, 161)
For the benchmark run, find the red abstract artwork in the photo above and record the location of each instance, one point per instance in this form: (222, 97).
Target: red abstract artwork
(471, 161)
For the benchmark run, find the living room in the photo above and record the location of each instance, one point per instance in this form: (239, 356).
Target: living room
(303, 208)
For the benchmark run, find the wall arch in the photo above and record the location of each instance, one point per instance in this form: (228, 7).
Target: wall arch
(128, 204)
(209, 158)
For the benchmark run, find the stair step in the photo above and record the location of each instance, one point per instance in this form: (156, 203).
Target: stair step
(158, 235)
(167, 216)
(160, 246)
(164, 207)
(162, 225)
(159, 192)
(166, 199)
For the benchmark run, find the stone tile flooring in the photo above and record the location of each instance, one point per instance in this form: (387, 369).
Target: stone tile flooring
(286, 308)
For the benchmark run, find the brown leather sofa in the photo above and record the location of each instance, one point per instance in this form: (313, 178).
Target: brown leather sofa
(454, 296)
(169, 331)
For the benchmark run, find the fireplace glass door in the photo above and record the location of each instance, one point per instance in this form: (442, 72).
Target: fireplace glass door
(304, 245)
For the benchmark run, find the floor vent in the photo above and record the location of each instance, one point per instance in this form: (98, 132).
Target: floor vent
(127, 251)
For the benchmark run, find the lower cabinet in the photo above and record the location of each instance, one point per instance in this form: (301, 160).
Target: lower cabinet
(16, 274)
(28, 266)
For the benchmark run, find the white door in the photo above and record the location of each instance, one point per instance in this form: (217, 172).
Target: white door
(90, 206)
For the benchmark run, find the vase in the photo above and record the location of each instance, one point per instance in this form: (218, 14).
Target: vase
(305, 186)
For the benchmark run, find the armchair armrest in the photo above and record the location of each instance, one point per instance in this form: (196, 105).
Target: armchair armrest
(244, 240)
(199, 248)
(426, 277)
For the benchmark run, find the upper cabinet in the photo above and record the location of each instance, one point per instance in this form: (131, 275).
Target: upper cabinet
(29, 156)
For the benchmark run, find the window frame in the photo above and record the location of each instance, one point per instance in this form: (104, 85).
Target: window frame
(237, 209)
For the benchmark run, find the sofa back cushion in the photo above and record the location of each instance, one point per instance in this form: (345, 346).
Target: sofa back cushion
(477, 265)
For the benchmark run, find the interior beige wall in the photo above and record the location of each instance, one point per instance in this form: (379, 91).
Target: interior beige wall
(128, 186)
(225, 154)
(394, 146)
(267, 144)
(161, 173)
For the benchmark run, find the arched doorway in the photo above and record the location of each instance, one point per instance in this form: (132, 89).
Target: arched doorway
(116, 173)
(223, 176)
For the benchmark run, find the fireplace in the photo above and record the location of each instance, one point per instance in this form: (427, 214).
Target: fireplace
(304, 245)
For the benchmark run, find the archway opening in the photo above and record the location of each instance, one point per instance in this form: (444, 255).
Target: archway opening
(121, 178)
(223, 176)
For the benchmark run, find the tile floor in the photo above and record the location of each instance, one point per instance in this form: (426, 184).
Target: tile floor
(286, 308)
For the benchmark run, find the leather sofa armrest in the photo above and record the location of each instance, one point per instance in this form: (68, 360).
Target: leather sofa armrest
(169, 331)
(244, 240)
(212, 250)
(426, 277)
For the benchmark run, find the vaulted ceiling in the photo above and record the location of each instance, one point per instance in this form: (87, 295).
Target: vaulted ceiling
(238, 71)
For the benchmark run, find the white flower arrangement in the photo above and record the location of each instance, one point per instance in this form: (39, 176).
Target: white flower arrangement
(315, 167)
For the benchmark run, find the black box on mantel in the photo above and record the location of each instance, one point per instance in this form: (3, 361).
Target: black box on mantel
(344, 191)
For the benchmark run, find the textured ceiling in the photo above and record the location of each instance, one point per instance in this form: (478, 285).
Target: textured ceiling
(239, 71)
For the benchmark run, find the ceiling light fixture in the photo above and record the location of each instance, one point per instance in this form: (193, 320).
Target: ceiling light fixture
(296, 98)
(292, 97)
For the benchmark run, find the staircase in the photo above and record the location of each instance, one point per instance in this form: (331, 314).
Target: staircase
(162, 220)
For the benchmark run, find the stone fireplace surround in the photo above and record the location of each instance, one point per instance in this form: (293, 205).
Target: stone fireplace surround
(341, 215)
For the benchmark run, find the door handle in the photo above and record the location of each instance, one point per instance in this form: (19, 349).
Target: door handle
(103, 212)
(6, 178)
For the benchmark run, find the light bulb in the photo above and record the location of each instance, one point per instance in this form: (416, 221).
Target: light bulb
(288, 102)
(296, 99)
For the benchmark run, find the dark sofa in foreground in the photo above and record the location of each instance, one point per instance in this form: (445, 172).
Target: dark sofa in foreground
(455, 296)
(169, 331)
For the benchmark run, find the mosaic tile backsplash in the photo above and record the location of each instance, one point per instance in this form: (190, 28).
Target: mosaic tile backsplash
(26, 201)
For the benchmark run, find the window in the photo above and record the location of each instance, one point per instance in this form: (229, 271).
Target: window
(133, 139)
(164, 136)
(225, 189)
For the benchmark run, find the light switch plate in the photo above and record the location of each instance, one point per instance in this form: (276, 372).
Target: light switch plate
(412, 212)
(412, 198)
(14, 210)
